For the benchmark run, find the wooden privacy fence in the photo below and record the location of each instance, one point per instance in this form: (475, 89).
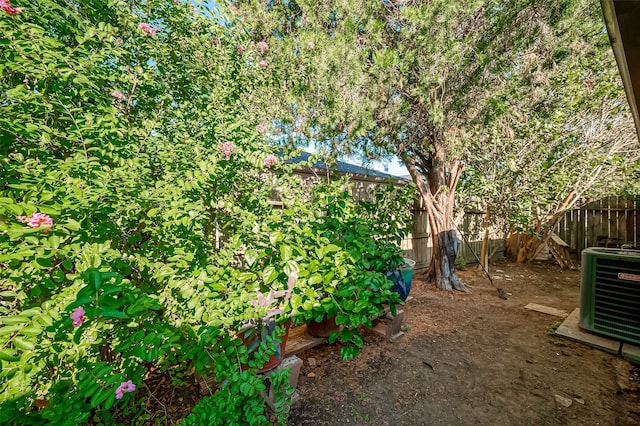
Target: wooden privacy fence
(611, 222)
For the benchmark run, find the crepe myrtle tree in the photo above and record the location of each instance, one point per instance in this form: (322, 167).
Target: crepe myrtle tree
(122, 147)
(137, 236)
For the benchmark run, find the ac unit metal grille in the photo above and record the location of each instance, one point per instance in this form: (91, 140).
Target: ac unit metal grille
(617, 301)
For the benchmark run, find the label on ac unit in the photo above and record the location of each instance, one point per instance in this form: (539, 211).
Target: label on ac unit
(628, 277)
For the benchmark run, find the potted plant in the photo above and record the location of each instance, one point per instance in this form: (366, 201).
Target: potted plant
(271, 312)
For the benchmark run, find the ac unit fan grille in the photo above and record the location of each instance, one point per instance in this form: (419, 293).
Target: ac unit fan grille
(617, 301)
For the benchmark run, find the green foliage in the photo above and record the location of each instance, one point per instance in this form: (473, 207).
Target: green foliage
(237, 402)
(283, 391)
(135, 223)
(558, 120)
(524, 93)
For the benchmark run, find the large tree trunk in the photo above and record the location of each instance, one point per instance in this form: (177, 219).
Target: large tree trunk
(437, 186)
(442, 268)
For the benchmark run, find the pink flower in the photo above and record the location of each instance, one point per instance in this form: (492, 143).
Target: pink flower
(263, 63)
(261, 129)
(262, 47)
(77, 316)
(240, 49)
(125, 387)
(118, 95)
(148, 29)
(302, 67)
(271, 160)
(36, 219)
(311, 45)
(227, 147)
(4, 4)
(176, 1)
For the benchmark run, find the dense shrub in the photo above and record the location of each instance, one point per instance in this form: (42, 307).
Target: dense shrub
(136, 230)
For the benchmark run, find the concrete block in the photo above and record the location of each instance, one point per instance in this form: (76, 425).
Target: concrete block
(570, 328)
(631, 352)
(389, 326)
(295, 364)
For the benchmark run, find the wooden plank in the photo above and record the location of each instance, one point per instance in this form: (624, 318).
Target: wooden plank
(299, 340)
(559, 241)
(612, 226)
(580, 231)
(547, 310)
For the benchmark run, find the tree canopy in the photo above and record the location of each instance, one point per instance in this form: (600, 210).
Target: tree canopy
(522, 94)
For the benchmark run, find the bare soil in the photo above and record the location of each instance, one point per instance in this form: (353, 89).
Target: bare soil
(465, 359)
(473, 358)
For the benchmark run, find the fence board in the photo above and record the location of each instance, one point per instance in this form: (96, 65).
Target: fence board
(612, 219)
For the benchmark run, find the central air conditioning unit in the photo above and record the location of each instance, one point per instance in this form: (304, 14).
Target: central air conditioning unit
(610, 293)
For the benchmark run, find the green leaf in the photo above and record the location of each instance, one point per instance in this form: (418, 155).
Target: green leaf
(246, 388)
(109, 402)
(275, 237)
(269, 274)
(72, 225)
(15, 320)
(291, 266)
(112, 313)
(100, 396)
(9, 355)
(23, 344)
(31, 331)
(10, 329)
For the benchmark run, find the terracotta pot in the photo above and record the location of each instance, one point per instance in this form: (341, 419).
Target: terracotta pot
(323, 328)
(252, 341)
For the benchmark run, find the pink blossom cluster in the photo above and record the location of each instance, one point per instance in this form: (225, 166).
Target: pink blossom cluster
(148, 29)
(261, 129)
(125, 387)
(240, 49)
(271, 160)
(4, 4)
(36, 220)
(262, 47)
(263, 63)
(311, 45)
(226, 147)
(77, 316)
(118, 95)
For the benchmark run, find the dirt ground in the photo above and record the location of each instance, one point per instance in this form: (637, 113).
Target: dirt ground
(474, 358)
(465, 359)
